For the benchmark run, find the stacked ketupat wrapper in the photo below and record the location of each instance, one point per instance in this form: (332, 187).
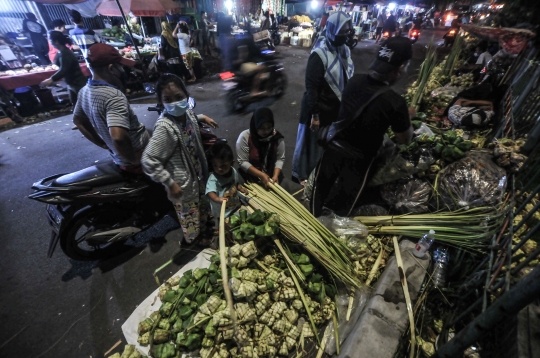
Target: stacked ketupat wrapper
(273, 314)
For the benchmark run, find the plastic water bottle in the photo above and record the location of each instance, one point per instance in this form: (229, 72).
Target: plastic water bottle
(424, 243)
(441, 264)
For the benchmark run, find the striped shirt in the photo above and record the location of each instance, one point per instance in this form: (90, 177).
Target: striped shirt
(105, 106)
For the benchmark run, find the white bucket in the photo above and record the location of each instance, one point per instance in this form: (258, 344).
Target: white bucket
(294, 40)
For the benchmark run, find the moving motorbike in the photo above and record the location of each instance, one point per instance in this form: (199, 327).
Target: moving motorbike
(238, 87)
(450, 36)
(94, 211)
(414, 35)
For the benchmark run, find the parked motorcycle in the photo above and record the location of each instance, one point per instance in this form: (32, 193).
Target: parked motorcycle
(94, 211)
(238, 87)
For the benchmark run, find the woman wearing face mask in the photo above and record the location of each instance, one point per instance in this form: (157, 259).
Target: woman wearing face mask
(175, 157)
(261, 149)
(328, 69)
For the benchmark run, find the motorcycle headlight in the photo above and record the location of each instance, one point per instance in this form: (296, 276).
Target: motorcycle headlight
(279, 33)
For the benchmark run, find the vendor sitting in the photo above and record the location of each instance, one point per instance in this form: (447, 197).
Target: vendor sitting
(261, 150)
(470, 113)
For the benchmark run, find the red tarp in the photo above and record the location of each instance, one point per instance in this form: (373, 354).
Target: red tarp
(32, 79)
(138, 7)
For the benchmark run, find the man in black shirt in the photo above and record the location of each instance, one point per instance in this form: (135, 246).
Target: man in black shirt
(38, 35)
(352, 164)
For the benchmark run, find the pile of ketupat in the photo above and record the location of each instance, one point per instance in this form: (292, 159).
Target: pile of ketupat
(273, 314)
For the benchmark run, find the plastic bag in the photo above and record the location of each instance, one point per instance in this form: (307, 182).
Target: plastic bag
(345, 327)
(395, 165)
(343, 227)
(424, 129)
(407, 196)
(448, 92)
(473, 181)
(308, 186)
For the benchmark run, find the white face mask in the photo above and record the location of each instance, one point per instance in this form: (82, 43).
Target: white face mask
(176, 109)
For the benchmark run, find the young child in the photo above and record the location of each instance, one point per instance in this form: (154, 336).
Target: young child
(175, 157)
(223, 182)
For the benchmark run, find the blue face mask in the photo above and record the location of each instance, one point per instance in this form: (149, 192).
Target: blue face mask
(176, 109)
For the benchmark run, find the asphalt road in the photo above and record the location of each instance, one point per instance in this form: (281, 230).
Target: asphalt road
(61, 308)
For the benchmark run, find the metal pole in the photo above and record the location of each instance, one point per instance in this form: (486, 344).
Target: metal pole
(509, 304)
(132, 38)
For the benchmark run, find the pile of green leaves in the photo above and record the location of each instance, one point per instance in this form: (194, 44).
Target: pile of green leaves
(449, 146)
(246, 227)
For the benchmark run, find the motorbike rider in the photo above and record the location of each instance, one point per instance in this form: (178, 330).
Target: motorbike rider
(103, 114)
(417, 25)
(246, 64)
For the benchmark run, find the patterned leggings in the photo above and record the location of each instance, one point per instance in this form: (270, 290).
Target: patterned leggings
(193, 217)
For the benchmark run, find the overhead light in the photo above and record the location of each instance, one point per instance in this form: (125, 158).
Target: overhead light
(314, 4)
(228, 4)
(392, 6)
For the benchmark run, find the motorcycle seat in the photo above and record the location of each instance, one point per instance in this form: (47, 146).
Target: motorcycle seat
(96, 175)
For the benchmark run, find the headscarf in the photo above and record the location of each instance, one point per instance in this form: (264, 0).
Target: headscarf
(336, 60)
(265, 146)
(167, 33)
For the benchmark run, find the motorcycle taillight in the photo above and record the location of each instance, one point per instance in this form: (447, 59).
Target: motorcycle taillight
(226, 76)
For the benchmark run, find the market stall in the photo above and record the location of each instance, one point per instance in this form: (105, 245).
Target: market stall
(32, 76)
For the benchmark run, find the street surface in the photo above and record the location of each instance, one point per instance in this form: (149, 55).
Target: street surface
(61, 308)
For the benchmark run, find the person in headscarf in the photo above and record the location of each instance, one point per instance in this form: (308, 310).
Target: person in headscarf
(261, 149)
(328, 69)
(169, 45)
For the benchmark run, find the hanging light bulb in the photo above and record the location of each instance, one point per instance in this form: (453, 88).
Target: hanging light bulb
(314, 4)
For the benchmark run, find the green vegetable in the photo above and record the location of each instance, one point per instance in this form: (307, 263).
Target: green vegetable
(330, 290)
(303, 259)
(449, 136)
(306, 269)
(184, 312)
(193, 305)
(438, 148)
(170, 296)
(417, 124)
(465, 145)
(181, 338)
(314, 287)
(215, 259)
(188, 322)
(316, 278)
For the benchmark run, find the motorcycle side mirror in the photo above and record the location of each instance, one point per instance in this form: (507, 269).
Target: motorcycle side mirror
(191, 103)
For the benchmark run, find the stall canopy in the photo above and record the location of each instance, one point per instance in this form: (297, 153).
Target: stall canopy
(58, 2)
(138, 7)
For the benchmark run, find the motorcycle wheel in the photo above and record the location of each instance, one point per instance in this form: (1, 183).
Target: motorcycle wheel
(277, 40)
(92, 219)
(279, 86)
(233, 102)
